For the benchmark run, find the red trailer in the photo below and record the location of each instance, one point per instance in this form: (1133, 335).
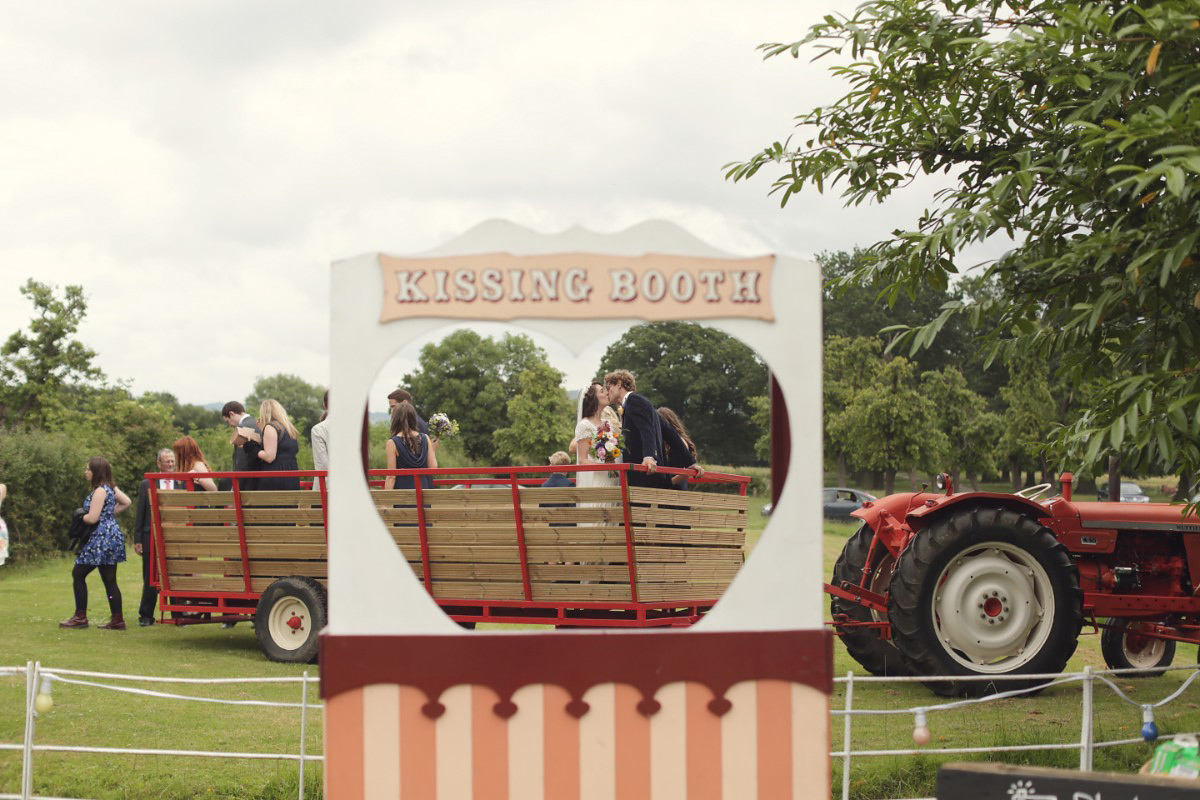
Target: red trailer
(490, 545)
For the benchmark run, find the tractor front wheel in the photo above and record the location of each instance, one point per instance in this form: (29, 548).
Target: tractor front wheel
(877, 655)
(985, 591)
(1124, 646)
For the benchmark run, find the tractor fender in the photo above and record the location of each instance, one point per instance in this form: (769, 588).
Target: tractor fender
(936, 505)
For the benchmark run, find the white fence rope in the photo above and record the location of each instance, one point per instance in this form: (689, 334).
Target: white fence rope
(34, 674)
(37, 676)
(1086, 745)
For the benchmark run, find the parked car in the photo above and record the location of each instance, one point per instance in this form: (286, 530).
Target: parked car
(839, 501)
(1130, 493)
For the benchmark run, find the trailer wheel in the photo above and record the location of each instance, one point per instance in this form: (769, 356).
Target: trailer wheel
(878, 656)
(1124, 648)
(985, 591)
(289, 616)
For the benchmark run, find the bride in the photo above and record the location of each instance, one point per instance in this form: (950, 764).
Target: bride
(594, 402)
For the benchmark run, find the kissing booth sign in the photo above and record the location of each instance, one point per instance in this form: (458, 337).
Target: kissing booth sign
(735, 706)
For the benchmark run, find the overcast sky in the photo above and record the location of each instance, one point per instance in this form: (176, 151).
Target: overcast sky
(196, 166)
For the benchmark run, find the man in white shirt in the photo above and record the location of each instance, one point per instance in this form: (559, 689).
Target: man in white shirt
(320, 442)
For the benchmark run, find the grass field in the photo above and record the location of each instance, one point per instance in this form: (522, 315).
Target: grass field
(36, 598)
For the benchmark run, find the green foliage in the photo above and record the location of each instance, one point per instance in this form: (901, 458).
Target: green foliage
(187, 417)
(540, 419)
(760, 418)
(1028, 417)
(471, 378)
(110, 423)
(302, 400)
(44, 474)
(1069, 128)
(705, 376)
(890, 425)
(37, 367)
(962, 415)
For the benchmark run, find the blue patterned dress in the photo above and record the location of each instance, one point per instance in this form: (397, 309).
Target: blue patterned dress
(107, 544)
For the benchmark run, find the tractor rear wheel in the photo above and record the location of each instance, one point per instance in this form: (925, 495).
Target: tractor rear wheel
(1124, 647)
(985, 591)
(879, 656)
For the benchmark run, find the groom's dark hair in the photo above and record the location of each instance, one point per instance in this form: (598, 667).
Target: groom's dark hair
(622, 378)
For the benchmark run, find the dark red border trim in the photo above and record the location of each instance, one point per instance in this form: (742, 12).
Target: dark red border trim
(505, 662)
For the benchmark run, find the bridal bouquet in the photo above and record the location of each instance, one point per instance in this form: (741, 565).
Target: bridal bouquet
(606, 446)
(442, 427)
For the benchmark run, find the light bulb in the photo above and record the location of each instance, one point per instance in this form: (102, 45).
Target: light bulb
(920, 733)
(1149, 727)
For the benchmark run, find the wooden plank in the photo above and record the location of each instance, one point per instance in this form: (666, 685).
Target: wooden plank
(552, 554)
(690, 519)
(697, 500)
(179, 498)
(282, 497)
(233, 551)
(201, 583)
(544, 535)
(272, 534)
(531, 497)
(250, 516)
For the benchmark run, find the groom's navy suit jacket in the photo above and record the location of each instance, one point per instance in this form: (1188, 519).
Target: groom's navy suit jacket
(642, 434)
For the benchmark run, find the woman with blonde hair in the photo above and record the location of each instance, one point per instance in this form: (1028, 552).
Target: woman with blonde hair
(275, 448)
(189, 458)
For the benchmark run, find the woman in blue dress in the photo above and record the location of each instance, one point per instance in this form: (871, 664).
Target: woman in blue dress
(104, 549)
(408, 449)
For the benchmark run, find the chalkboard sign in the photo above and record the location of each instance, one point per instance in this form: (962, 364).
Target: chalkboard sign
(1004, 782)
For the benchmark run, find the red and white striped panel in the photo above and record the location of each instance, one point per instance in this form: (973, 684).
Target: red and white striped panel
(772, 743)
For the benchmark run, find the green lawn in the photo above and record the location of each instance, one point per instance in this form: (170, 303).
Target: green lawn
(37, 597)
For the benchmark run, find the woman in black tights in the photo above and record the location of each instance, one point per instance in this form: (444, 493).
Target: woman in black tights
(104, 549)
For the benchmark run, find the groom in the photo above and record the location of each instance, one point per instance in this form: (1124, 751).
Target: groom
(640, 429)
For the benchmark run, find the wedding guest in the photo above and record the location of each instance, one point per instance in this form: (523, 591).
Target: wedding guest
(319, 439)
(143, 541)
(3, 527)
(275, 448)
(408, 448)
(558, 480)
(235, 416)
(399, 396)
(190, 460)
(680, 449)
(104, 549)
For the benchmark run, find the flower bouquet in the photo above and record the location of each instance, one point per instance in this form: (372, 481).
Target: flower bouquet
(442, 427)
(606, 445)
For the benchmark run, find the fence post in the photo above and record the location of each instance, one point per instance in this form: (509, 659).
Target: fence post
(31, 671)
(1086, 733)
(846, 736)
(303, 729)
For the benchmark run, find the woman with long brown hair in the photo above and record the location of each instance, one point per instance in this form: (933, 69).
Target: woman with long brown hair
(104, 549)
(190, 459)
(681, 450)
(408, 448)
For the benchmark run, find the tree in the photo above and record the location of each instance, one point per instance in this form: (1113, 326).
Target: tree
(972, 430)
(187, 417)
(850, 366)
(471, 378)
(540, 418)
(705, 376)
(1028, 417)
(890, 425)
(38, 366)
(1070, 129)
(302, 400)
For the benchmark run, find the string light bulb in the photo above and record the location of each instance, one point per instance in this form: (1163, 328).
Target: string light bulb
(45, 698)
(920, 729)
(1149, 727)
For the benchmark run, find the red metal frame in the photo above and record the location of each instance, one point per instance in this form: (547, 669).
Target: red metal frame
(219, 606)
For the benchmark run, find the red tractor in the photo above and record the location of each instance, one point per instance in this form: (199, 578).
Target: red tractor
(983, 583)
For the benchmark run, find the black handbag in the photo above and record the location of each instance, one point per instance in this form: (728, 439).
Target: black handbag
(80, 532)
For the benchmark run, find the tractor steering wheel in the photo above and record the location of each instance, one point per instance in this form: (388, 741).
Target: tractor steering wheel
(1030, 492)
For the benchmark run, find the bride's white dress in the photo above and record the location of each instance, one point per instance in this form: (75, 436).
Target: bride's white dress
(585, 432)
